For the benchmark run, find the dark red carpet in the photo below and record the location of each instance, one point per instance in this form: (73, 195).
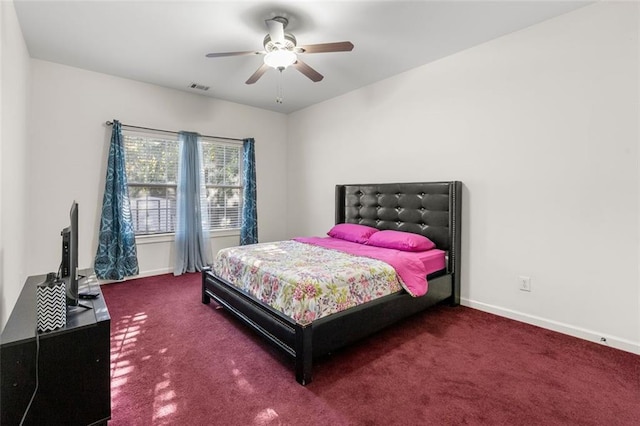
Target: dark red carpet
(176, 361)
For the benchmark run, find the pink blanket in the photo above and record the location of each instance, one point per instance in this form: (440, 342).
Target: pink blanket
(408, 265)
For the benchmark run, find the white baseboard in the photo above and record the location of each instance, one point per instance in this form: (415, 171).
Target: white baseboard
(142, 274)
(153, 273)
(581, 333)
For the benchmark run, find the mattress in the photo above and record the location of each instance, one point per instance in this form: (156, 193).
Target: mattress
(307, 282)
(433, 260)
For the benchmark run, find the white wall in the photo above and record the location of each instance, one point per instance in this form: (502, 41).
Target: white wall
(14, 173)
(69, 148)
(542, 128)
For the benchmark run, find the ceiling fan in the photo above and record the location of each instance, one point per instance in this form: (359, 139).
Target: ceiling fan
(281, 50)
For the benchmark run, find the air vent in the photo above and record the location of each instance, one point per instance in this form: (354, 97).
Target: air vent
(199, 86)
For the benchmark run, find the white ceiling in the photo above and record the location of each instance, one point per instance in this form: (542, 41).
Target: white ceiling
(165, 42)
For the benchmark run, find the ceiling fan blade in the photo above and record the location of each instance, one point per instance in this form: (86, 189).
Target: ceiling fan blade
(256, 75)
(341, 46)
(223, 54)
(276, 30)
(305, 69)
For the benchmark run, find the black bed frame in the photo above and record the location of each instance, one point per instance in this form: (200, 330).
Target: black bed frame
(432, 209)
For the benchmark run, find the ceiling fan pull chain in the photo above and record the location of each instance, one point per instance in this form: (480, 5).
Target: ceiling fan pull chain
(279, 89)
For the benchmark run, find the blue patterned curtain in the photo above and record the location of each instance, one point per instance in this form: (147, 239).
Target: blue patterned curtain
(117, 256)
(249, 228)
(192, 223)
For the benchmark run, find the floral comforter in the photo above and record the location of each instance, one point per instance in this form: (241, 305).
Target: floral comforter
(303, 281)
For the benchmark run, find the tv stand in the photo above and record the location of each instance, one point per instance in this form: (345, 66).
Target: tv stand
(73, 368)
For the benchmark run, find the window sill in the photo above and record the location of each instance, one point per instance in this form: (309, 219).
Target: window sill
(169, 238)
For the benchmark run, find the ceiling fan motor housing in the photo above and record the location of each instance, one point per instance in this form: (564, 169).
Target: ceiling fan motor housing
(289, 43)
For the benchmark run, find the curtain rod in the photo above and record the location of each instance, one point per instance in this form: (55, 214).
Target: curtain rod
(110, 123)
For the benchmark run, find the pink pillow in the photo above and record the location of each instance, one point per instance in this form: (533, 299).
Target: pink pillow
(399, 240)
(352, 232)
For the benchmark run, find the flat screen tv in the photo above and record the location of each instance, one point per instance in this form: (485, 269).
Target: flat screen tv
(69, 265)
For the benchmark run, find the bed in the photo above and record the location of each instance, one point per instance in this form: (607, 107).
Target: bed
(431, 209)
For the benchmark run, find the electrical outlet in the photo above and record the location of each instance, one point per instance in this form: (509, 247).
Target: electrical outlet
(524, 283)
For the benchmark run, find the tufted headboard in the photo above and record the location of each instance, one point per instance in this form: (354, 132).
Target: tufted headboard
(432, 209)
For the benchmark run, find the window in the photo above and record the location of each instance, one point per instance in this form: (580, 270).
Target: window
(152, 175)
(223, 179)
(152, 163)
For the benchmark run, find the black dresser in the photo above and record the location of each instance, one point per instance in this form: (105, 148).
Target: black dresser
(73, 363)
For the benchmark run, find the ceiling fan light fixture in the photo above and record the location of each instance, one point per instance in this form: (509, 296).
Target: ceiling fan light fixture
(280, 58)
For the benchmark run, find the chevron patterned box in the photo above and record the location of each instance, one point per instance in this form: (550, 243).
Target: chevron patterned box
(52, 306)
